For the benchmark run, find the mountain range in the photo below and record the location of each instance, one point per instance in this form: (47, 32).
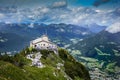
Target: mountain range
(94, 44)
(103, 48)
(104, 40)
(14, 34)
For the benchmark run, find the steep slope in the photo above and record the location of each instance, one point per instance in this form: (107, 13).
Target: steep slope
(9, 71)
(103, 49)
(61, 66)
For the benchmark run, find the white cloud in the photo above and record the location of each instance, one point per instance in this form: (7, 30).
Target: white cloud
(45, 10)
(63, 16)
(98, 11)
(1, 15)
(7, 22)
(81, 16)
(59, 4)
(115, 28)
(31, 25)
(70, 15)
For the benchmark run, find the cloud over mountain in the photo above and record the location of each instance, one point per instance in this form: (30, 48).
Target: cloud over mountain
(115, 28)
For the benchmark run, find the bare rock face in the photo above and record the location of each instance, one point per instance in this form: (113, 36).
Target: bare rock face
(35, 58)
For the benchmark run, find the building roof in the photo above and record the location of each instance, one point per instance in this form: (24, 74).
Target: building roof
(43, 38)
(43, 41)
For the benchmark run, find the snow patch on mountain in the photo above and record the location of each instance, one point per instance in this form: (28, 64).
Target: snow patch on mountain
(114, 28)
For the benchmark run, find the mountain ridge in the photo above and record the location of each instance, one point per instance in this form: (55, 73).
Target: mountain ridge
(56, 67)
(64, 32)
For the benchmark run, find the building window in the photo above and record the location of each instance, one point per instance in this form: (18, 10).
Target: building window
(44, 44)
(35, 45)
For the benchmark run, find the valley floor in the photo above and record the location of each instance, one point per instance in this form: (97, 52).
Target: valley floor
(95, 70)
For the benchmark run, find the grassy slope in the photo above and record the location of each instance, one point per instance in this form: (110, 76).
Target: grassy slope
(10, 72)
(73, 69)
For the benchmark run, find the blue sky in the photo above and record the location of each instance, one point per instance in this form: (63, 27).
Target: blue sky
(81, 2)
(75, 3)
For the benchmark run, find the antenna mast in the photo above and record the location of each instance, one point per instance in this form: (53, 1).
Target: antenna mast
(46, 32)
